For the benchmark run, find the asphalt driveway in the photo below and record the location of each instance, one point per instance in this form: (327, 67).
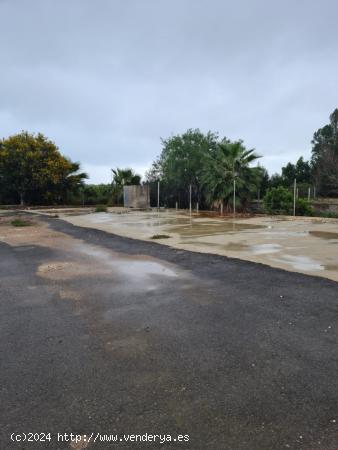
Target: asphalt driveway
(104, 335)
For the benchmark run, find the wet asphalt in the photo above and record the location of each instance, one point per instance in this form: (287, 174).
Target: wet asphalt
(236, 355)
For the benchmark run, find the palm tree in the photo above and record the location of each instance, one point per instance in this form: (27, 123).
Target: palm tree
(226, 166)
(123, 177)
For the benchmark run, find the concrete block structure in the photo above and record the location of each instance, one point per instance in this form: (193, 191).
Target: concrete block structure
(136, 196)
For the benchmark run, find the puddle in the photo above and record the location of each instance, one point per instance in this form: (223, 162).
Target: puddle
(324, 234)
(142, 269)
(236, 247)
(199, 229)
(231, 246)
(302, 263)
(24, 248)
(264, 249)
(332, 267)
(136, 269)
(285, 233)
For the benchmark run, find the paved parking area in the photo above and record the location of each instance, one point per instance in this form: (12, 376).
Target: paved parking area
(105, 334)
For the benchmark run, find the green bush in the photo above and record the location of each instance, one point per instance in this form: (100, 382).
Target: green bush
(101, 208)
(160, 236)
(20, 223)
(304, 208)
(278, 200)
(328, 214)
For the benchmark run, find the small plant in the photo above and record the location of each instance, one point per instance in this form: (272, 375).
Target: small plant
(101, 208)
(160, 236)
(278, 200)
(303, 207)
(328, 215)
(20, 223)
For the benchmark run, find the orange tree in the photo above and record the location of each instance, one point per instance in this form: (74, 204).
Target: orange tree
(32, 170)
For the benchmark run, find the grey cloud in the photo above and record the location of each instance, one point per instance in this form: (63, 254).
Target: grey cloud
(105, 80)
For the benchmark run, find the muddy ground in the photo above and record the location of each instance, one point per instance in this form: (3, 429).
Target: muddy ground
(101, 333)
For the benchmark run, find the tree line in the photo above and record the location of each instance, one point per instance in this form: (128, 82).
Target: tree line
(321, 170)
(204, 165)
(210, 165)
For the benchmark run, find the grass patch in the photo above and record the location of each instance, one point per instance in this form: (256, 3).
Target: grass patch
(160, 236)
(20, 223)
(101, 208)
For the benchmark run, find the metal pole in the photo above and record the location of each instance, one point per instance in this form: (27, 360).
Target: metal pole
(294, 196)
(197, 207)
(176, 206)
(190, 199)
(234, 197)
(222, 208)
(314, 192)
(309, 194)
(158, 195)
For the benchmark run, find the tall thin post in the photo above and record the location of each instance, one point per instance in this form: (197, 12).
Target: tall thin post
(314, 192)
(158, 195)
(309, 194)
(197, 207)
(190, 199)
(176, 206)
(222, 209)
(234, 197)
(294, 196)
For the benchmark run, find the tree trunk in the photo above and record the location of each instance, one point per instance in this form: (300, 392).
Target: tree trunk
(22, 202)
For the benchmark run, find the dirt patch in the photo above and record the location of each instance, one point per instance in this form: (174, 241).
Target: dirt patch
(69, 294)
(324, 234)
(64, 270)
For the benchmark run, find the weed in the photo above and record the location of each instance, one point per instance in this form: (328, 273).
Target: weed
(20, 223)
(101, 208)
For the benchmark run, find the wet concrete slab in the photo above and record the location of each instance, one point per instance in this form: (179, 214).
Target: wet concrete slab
(306, 245)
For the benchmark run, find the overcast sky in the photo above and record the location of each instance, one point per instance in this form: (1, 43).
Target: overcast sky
(106, 79)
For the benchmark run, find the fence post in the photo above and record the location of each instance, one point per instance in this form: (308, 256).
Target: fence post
(234, 197)
(294, 196)
(158, 195)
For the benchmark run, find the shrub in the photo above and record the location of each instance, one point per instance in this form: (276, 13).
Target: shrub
(304, 208)
(20, 223)
(160, 236)
(101, 208)
(328, 214)
(278, 200)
